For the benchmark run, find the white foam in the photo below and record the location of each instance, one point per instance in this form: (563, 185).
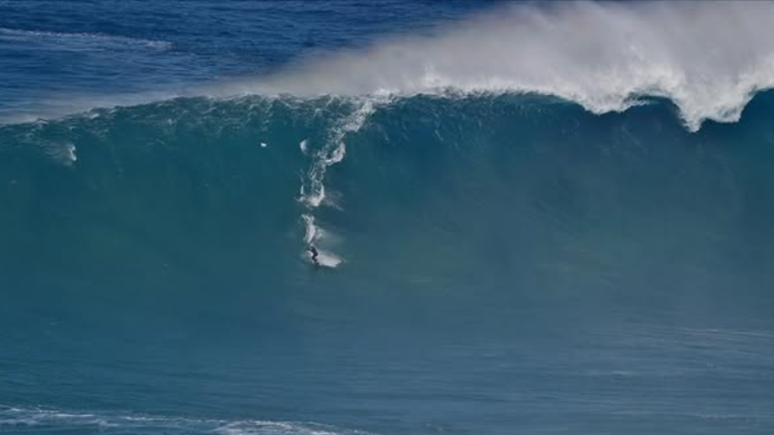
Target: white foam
(95, 40)
(16, 420)
(312, 191)
(65, 154)
(709, 58)
(313, 236)
(70, 153)
(328, 259)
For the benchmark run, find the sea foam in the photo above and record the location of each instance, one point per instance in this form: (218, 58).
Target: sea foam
(709, 58)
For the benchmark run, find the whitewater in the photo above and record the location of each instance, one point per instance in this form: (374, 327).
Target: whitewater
(605, 56)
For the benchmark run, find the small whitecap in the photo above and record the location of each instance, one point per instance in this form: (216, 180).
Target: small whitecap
(71, 153)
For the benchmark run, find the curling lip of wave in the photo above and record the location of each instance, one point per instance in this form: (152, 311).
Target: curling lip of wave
(709, 58)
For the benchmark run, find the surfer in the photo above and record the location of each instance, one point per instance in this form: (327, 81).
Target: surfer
(314, 254)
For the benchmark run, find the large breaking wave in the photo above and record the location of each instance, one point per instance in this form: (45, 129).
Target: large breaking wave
(425, 188)
(259, 164)
(549, 162)
(709, 58)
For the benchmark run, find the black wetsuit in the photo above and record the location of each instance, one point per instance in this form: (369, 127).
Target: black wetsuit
(315, 254)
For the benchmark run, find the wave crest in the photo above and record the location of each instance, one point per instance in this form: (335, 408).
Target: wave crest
(709, 58)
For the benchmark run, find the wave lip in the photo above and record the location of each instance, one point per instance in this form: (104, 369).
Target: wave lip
(709, 58)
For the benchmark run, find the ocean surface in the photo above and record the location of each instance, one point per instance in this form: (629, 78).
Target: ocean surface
(533, 218)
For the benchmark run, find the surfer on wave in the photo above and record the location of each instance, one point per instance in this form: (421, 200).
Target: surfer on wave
(313, 253)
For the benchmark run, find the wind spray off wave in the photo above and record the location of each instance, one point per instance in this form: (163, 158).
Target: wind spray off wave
(709, 58)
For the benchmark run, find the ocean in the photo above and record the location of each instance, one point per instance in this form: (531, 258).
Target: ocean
(530, 218)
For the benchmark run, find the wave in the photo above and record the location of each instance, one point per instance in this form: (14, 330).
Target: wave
(367, 179)
(320, 129)
(81, 40)
(14, 419)
(708, 58)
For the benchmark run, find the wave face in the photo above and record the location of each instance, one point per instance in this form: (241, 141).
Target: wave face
(157, 252)
(531, 186)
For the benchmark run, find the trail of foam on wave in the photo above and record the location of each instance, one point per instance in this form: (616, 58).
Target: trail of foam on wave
(24, 419)
(312, 191)
(709, 58)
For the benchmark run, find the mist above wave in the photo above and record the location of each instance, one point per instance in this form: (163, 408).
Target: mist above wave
(709, 58)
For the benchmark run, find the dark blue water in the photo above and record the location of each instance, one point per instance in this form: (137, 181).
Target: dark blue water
(52, 50)
(491, 263)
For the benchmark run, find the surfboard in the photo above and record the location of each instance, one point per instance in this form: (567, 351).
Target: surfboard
(324, 259)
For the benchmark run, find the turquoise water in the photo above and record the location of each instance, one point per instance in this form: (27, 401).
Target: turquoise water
(496, 262)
